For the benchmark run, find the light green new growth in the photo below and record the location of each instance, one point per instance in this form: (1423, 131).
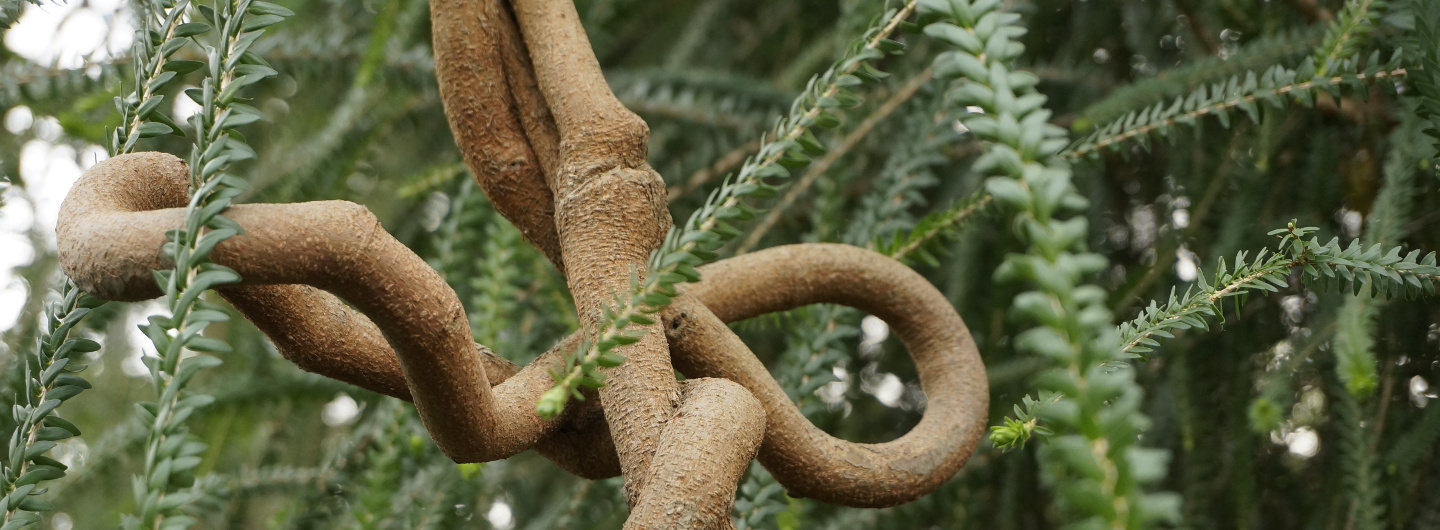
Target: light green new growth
(1026, 423)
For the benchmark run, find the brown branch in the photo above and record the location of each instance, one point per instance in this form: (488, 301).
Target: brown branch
(809, 462)
(114, 225)
(610, 214)
(483, 117)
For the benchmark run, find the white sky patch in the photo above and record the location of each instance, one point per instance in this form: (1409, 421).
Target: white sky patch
(873, 330)
(19, 119)
(140, 345)
(1420, 394)
(1352, 222)
(1304, 442)
(833, 393)
(12, 297)
(72, 452)
(340, 411)
(500, 516)
(16, 218)
(49, 170)
(71, 35)
(61, 521)
(68, 36)
(184, 107)
(1180, 218)
(886, 388)
(1185, 267)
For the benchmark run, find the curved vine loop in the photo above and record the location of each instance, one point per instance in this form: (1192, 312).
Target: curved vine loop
(565, 162)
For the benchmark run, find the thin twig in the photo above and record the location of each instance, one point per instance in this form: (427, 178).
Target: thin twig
(960, 216)
(1217, 107)
(721, 166)
(821, 166)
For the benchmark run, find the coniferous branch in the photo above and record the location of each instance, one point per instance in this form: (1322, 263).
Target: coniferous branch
(915, 142)
(1416, 443)
(369, 105)
(172, 453)
(819, 339)
(720, 166)
(1422, 50)
(262, 479)
(1382, 272)
(1327, 265)
(51, 378)
(24, 82)
(430, 179)
(938, 226)
(1026, 423)
(1264, 51)
(154, 46)
(1266, 272)
(1093, 460)
(1354, 356)
(495, 292)
(1343, 38)
(816, 170)
(1276, 88)
(1364, 506)
(342, 467)
(381, 470)
(488, 284)
(708, 228)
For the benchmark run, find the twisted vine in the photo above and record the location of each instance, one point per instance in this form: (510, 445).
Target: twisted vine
(562, 159)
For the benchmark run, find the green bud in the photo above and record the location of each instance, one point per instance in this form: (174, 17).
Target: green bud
(552, 402)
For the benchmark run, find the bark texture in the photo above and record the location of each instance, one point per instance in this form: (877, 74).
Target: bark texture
(566, 162)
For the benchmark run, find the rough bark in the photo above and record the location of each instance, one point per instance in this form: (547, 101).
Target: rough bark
(565, 161)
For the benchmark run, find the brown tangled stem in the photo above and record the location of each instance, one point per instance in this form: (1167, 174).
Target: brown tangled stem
(562, 159)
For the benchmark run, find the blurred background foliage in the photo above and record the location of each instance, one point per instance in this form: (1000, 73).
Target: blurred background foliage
(1260, 430)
